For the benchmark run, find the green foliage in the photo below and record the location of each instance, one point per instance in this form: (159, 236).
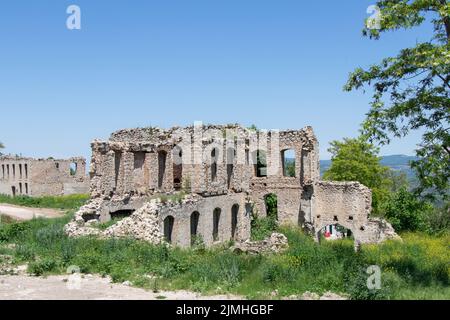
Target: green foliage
(405, 212)
(438, 220)
(399, 180)
(39, 268)
(416, 267)
(55, 202)
(264, 227)
(411, 90)
(290, 168)
(357, 160)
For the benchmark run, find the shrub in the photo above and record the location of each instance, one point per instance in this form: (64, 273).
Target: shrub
(438, 220)
(8, 232)
(405, 212)
(39, 268)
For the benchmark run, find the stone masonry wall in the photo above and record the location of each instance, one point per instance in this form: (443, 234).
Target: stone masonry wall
(217, 169)
(40, 177)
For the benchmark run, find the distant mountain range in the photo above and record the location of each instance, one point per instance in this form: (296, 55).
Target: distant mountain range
(397, 162)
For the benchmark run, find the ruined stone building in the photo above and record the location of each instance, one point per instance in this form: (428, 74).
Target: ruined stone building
(42, 177)
(208, 182)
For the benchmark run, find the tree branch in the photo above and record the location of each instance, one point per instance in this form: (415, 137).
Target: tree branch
(446, 22)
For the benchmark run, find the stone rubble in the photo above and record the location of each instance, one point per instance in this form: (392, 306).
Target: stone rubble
(276, 243)
(141, 225)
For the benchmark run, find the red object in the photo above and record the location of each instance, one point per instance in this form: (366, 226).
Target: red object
(327, 234)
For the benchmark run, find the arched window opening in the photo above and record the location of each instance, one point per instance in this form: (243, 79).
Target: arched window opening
(260, 163)
(231, 156)
(288, 162)
(271, 202)
(214, 159)
(177, 168)
(168, 228)
(73, 169)
(335, 232)
(216, 223)
(162, 159)
(234, 221)
(195, 218)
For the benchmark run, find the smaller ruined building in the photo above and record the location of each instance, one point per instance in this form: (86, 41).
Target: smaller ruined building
(42, 177)
(207, 182)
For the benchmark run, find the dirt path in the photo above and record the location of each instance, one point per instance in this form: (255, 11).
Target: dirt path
(24, 213)
(88, 288)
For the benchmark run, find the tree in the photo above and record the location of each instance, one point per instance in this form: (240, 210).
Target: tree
(289, 167)
(2, 146)
(411, 90)
(406, 212)
(357, 160)
(398, 180)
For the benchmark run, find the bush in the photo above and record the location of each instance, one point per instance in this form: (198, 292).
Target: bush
(407, 213)
(438, 220)
(39, 268)
(8, 232)
(262, 228)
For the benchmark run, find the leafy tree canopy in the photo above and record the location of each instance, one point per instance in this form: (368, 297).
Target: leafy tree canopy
(406, 212)
(411, 90)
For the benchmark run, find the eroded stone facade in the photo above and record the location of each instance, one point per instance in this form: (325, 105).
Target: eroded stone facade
(42, 177)
(207, 182)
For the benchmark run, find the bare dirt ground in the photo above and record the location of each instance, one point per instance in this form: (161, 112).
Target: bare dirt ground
(22, 213)
(88, 288)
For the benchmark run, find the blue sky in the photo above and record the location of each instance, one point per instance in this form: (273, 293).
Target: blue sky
(277, 64)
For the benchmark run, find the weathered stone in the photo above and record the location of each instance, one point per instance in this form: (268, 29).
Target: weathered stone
(276, 243)
(42, 177)
(204, 183)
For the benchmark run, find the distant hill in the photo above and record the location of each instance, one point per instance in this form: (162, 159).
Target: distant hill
(397, 162)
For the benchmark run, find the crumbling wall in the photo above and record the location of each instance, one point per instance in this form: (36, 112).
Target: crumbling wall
(147, 222)
(217, 167)
(349, 205)
(40, 177)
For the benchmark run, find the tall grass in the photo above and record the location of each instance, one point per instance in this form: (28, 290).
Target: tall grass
(416, 268)
(55, 202)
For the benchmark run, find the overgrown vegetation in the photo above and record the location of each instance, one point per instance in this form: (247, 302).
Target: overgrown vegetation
(406, 212)
(54, 202)
(262, 228)
(414, 269)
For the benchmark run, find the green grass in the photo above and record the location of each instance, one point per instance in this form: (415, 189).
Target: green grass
(415, 268)
(54, 202)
